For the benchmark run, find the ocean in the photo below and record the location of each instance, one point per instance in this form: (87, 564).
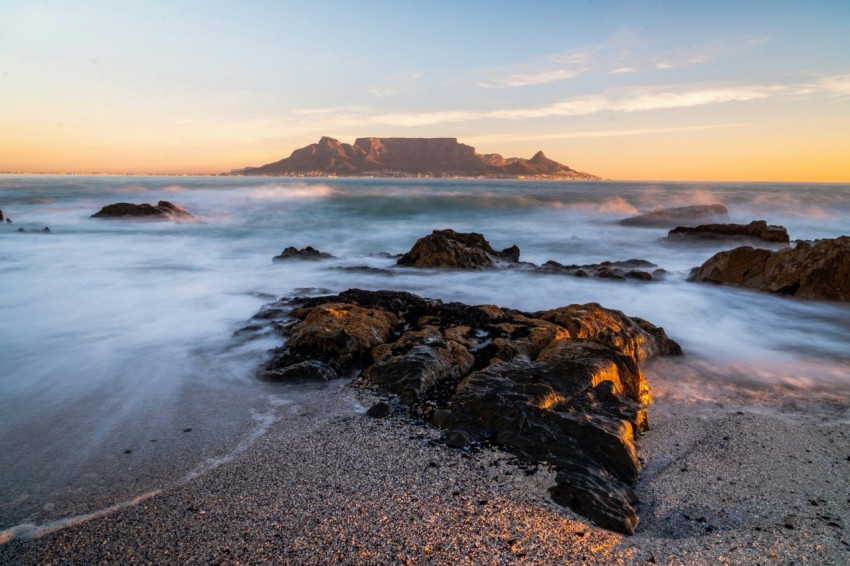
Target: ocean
(120, 372)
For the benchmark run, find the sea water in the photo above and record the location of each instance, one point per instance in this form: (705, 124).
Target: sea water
(120, 371)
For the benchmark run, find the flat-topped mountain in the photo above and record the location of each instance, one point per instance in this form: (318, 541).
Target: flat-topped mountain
(404, 157)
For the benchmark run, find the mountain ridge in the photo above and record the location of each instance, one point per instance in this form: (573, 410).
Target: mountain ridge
(410, 157)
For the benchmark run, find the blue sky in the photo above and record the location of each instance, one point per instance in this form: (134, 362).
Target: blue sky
(655, 90)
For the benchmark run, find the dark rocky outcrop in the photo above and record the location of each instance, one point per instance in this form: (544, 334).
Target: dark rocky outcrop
(757, 229)
(163, 209)
(561, 386)
(409, 156)
(309, 253)
(450, 249)
(811, 270)
(458, 250)
(679, 216)
(616, 270)
(1, 215)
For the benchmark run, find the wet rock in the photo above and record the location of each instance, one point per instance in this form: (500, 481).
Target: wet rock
(562, 386)
(619, 270)
(811, 270)
(21, 230)
(633, 336)
(163, 209)
(309, 253)
(757, 229)
(679, 216)
(309, 370)
(1, 215)
(450, 249)
(379, 410)
(46, 230)
(8, 221)
(341, 331)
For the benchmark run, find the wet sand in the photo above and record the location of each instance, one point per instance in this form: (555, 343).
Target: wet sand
(745, 475)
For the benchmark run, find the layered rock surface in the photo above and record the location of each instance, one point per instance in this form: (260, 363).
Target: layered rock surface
(450, 249)
(430, 156)
(757, 229)
(811, 270)
(125, 209)
(562, 386)
(678, 216)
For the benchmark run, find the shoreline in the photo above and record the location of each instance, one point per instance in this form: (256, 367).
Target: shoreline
(726, 480)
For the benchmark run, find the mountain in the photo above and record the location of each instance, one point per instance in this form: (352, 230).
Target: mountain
(406, 157)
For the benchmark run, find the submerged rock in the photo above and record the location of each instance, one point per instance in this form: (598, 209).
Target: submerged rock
(309, 252)
(1, 215)
(126, 209)
(561, 386)
(758, 229)
(811, 270)
(679, 216)
(447, 248)
(619, 270)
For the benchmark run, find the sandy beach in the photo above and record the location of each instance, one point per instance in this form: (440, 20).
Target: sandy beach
(752, 476)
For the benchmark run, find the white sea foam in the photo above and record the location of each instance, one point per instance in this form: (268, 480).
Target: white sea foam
(114, 334)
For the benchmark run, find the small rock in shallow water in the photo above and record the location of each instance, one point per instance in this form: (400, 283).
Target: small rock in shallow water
(379, 410)
(306, 253)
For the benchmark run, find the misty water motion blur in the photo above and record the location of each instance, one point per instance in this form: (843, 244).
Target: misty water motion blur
(117, 336)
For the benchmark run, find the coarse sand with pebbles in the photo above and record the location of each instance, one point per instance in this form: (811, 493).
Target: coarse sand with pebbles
(751, 476)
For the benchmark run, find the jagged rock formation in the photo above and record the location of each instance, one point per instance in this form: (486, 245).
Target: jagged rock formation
(450, 249)
(309, 253)
(757, 229)
(811, 270)
(561, 386)
(126, 209)
(679, 216)
(439, 157)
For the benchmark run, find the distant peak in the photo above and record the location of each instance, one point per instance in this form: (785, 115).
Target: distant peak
(538, 156)
(328, 141)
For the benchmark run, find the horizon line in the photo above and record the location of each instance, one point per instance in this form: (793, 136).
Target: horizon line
(525, 179)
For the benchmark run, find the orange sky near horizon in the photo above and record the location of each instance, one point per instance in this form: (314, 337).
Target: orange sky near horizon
(753, 92)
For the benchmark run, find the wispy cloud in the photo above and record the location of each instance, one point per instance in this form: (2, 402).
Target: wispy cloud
(704, 53)
(397, 84)
(838, 84)
(549, 69)
(632, 99)
(630, 53)
(615, 100)
(587, 134)
(529, 79)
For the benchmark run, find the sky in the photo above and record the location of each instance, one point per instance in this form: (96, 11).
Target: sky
(711, 90)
